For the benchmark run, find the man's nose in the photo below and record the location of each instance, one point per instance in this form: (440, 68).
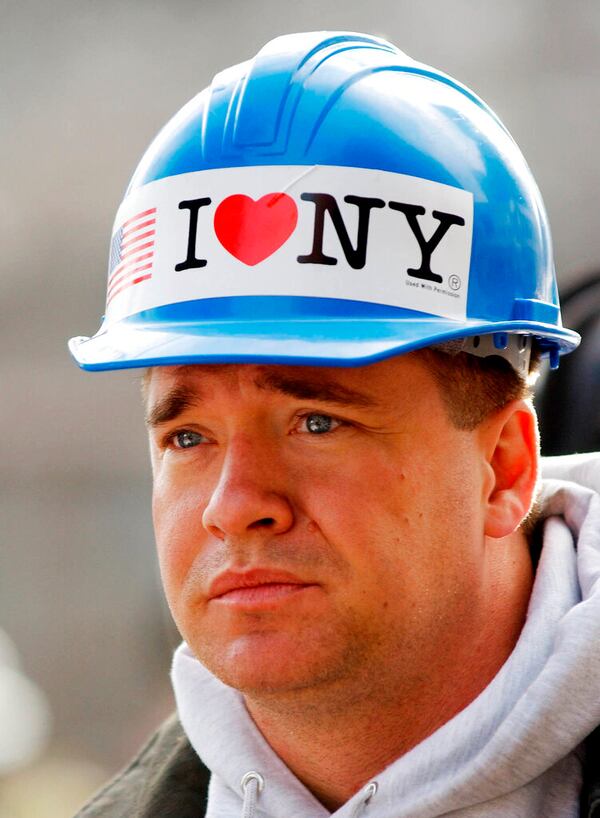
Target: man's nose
(246, 497)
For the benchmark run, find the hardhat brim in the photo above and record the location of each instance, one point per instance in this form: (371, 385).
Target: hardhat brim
(144, 341)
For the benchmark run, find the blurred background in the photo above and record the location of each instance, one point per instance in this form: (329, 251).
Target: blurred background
(86, 641)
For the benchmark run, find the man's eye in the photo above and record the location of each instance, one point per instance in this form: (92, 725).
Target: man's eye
(187, 439)
(318, 424)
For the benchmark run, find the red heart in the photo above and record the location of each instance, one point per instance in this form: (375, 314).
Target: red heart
(252, 231)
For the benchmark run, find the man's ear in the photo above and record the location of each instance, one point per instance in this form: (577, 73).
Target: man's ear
(510, 443)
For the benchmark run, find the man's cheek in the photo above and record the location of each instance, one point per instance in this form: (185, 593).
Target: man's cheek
(177, 542)
(177, 507)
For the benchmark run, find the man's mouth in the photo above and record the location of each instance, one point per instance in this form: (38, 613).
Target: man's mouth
(256, 586)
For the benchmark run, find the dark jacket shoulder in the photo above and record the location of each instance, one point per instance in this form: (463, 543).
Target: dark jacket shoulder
(165, 780)
(590, 792)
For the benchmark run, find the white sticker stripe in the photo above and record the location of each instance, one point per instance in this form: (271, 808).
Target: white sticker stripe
(312, 231)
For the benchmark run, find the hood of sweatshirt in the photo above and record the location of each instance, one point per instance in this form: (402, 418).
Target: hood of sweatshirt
(514, 751)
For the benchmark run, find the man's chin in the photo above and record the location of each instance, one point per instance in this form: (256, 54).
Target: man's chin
(267, 664)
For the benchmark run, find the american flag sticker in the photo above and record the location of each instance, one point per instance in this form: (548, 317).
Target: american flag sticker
(131, 253)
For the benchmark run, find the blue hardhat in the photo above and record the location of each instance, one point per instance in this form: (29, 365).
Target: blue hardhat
(330, 202)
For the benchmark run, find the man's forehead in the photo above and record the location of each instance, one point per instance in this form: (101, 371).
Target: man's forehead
(272, 376)
(340, 385)
(385, 386)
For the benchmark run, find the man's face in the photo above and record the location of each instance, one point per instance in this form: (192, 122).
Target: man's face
(315, 524)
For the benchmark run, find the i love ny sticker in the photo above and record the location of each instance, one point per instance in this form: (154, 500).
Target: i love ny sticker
(322, 231)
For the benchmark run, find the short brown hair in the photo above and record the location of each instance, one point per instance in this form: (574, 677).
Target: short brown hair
(473, 388)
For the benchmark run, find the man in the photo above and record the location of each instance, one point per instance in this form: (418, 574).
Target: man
(336, 267)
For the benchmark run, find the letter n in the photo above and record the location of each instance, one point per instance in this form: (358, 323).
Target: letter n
(325, 203)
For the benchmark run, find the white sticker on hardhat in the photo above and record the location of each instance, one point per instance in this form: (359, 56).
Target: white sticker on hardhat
(321, 231)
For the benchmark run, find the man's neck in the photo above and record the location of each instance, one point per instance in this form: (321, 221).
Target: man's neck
(337, 738)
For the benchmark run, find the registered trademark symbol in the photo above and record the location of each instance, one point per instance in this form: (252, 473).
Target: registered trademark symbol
(454, 282)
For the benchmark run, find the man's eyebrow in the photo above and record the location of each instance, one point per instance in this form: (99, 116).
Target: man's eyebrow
(171, 405)
(313, 389)
(179, 398)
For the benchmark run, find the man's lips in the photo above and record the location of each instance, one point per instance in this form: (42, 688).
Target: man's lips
(255, 584)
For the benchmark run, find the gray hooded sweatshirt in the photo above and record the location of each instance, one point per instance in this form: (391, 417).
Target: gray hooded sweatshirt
(513, 752)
